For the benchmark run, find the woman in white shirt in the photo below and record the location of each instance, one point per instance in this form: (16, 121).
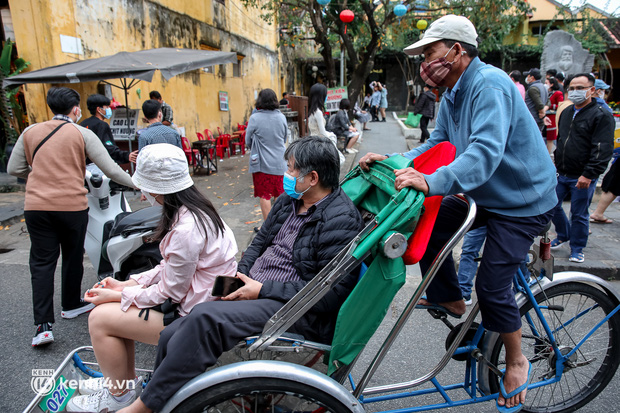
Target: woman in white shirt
(196, 246)
(316, 120)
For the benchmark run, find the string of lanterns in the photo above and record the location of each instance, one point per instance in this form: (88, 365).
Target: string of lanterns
(347, 16)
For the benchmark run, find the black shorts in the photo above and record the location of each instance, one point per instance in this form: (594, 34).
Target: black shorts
(611, 181)
(168, 309)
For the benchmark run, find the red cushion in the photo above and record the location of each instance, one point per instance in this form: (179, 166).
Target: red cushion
(427, 163)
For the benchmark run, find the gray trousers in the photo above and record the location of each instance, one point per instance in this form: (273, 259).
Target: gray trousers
(192, 343)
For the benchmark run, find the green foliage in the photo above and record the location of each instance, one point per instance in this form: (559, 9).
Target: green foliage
(586, 29)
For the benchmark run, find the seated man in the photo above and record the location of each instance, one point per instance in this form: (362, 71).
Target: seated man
(305, 229)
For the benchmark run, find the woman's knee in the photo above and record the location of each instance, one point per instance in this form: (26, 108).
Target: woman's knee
(100, 317)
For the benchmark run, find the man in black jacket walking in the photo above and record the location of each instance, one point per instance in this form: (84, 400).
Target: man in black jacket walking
(426, 106)
(305, 229)
(585, 145)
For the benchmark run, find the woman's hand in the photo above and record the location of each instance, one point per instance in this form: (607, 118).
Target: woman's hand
(114, 284)
(102, 295)
(370, 158)
(410, 177)
(249, 291)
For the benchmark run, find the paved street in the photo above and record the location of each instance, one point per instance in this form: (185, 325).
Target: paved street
(231, 192)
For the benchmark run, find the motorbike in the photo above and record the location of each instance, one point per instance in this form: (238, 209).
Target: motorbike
(118, 241)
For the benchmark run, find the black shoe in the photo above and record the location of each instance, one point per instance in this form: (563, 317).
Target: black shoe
(43, 335)
(383, 120)
(84, 307)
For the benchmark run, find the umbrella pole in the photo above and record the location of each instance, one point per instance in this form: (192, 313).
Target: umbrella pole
(126, 90)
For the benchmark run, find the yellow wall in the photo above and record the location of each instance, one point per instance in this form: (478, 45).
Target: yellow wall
(110, 26)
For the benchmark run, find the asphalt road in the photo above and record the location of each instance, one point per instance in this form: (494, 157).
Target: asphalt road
(414, 353)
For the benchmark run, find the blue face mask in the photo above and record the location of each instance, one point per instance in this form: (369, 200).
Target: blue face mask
(108, 113)
(290, 184)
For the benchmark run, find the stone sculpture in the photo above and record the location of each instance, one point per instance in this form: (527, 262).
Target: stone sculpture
(562, 52)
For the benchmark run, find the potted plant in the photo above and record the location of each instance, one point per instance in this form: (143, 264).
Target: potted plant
(11, 111)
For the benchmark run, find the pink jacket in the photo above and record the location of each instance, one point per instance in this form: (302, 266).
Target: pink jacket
(190, 264)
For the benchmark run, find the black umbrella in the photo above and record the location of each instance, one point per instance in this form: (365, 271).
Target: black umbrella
(136, 66)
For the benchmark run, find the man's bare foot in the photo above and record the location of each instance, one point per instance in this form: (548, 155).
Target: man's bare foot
(136, 407)
(515, 376)
(457, 307)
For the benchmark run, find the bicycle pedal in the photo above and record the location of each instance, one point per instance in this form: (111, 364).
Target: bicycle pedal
(438, 315)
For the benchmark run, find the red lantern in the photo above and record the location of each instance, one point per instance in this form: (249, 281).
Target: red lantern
(346, 16)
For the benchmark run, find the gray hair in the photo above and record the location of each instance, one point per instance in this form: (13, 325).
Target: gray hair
(315, 153)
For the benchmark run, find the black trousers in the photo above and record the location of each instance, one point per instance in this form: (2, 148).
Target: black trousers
(191, 344)
(50, 233)
(374, 111)
(424, 128)
(508, 241)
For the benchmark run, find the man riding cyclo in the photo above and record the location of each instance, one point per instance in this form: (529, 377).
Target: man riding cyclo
(502, 163)
(306, 228)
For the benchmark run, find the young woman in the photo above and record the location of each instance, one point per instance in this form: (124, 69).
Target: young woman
(343, 127)
(383, 104)
(266, 138)
(555, 97)
(316, 120)
(196, 246)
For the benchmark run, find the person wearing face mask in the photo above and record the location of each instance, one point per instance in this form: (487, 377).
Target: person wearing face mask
(599, 94)
(99, 108)
(305, 229)
(536, 96)
(196, 246)
(501, 162)
(584, 148)
(156, 132)
(52, 156)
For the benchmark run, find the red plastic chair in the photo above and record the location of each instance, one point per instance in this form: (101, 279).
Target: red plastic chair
(241, 127)
(209, 136)
(238, 144)
(200, 136)
(439, 155)
(222, 146)
(192, 154)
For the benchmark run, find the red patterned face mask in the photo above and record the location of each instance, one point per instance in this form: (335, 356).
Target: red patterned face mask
(435, 72)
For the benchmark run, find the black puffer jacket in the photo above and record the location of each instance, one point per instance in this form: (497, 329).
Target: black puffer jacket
(585, 143)
(425, 104)
(333, 224)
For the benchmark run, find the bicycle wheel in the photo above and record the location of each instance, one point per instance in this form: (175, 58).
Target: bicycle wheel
(257, 394)
(571, 311)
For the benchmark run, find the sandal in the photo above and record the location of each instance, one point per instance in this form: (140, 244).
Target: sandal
(556, 243)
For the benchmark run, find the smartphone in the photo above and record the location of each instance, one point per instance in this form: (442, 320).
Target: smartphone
(224, 285)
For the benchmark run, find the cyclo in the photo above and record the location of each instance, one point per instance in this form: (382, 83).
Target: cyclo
(570, 332)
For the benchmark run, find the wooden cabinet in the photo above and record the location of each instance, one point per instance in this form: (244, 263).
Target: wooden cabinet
(299, 104)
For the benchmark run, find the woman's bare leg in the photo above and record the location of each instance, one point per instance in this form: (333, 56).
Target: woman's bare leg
(265, 207)
(352, 142)
(113, 332)
(604, 201)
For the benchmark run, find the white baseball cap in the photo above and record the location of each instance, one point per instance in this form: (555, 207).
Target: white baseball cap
(449, 27)
(162, 169)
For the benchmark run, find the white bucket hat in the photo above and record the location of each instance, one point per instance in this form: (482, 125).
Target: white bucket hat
(449, 27)
(162, 169)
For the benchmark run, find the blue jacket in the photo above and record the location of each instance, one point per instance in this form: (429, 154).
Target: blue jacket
(375, 99)
(501, 159)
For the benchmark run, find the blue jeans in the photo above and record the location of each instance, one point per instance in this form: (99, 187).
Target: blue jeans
(468, 266)
(575, 231)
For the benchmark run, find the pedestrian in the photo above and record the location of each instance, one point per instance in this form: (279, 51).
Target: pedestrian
(316, 121)
(383, 104)
(362, 116)
(536, 96)
(498, 145)
(284, 100)
(555, 97)
(611, 190)
(196, 246)
(99, 107)
(156, 131)
(55, 207)
(599, 93)
(425, 105)
(375, 101)
(468, 265)
(266, 137)
(584, 147)
(342, 126)
(166, 110)
(367, 100)
(515, 76)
